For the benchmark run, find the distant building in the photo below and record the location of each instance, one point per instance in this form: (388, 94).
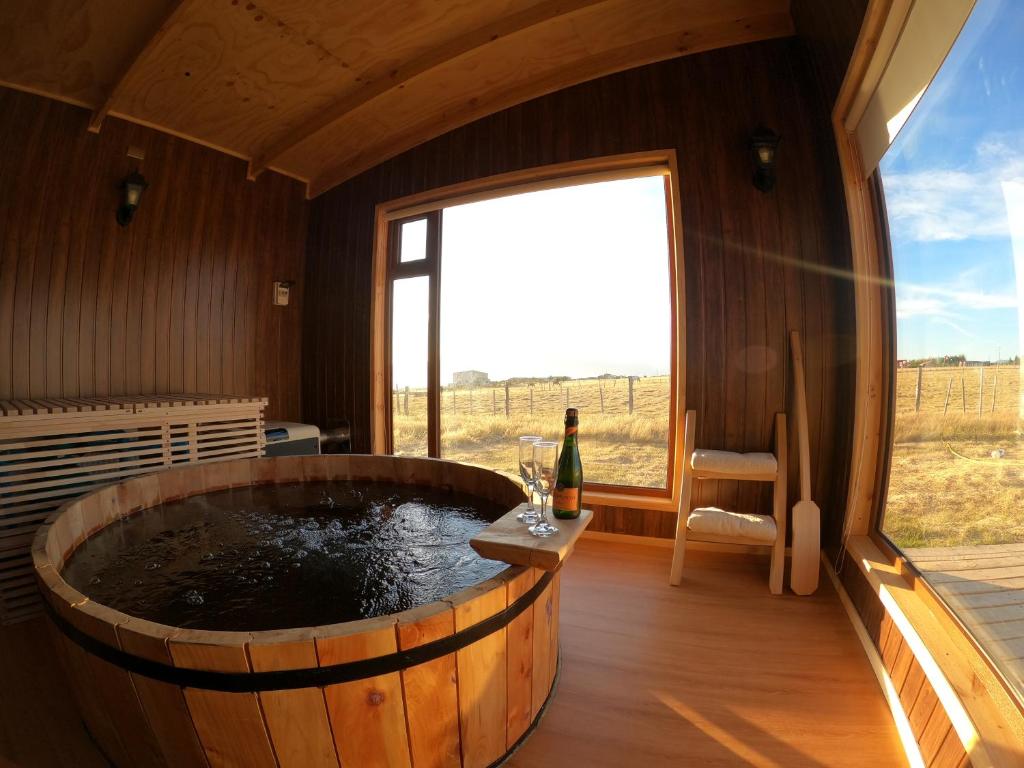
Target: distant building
(470, 379)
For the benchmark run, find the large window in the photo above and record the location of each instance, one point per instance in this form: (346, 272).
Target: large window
(953, 182)
(538, 300)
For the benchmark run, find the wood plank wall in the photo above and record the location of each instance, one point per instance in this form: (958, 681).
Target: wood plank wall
(179, 301)
(829, 29)
(756, 265)
(938, 740)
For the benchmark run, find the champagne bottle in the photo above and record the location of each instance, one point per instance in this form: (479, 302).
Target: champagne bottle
(567, 499)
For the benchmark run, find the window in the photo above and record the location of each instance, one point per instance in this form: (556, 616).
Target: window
(953, 183)
(545, 298)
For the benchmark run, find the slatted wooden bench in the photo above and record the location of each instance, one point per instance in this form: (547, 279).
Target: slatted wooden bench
(55, 449)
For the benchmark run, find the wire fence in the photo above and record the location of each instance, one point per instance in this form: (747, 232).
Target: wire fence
(978, 390)
(627, 395)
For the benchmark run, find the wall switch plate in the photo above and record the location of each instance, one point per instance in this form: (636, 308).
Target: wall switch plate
(281, 291)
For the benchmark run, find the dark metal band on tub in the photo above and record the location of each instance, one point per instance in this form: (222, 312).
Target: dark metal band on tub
(313, 677)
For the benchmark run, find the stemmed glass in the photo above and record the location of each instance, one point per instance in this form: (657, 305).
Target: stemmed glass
(526, 443)
(545, 463)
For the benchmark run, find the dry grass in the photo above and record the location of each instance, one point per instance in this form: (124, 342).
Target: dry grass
(615, 446)
(936, 497)
(946, 488)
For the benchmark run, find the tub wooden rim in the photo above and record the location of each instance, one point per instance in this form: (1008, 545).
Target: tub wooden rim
(84, 516)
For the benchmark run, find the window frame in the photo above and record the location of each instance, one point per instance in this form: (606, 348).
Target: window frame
(874, 395)
(389, 217)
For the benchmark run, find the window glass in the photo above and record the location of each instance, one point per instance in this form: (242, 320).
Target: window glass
(414, 241)
(954, 193)
(409, 306)
(553, 299)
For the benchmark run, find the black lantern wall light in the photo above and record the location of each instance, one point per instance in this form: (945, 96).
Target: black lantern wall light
(131, 193)
(763, 146)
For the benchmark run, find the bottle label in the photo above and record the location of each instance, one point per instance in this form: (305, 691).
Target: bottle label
(567, 499)
(571, 431)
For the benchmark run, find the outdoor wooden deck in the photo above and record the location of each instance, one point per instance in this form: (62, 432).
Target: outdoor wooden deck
(984, 584)
(717, 672)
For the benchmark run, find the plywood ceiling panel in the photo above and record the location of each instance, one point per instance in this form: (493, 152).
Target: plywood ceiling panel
(70, 50)
(322, 90)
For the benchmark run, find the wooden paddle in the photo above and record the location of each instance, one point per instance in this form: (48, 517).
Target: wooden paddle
(806, 519)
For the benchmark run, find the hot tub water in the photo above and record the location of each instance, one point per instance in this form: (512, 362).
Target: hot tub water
(278, 556)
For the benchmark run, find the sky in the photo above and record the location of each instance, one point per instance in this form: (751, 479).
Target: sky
(954, 190)
(566, 282)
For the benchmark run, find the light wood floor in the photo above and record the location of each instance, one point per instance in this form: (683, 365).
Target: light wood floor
(984, 585)
(717, 672)
(714, 673)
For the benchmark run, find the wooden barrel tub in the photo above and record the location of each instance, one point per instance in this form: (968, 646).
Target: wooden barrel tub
(458, 682)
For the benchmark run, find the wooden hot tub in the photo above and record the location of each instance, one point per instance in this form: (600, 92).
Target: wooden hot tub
(454, 683)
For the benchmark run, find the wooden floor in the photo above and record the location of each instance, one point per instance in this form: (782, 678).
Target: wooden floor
(714, 673)
(984, 585)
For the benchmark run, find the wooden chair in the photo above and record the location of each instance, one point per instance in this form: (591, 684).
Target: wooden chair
(711, 524)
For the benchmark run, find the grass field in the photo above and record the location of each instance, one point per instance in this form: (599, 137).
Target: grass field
(945, 487)
(615, 446)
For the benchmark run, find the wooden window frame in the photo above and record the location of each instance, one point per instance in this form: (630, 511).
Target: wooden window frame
(1001, 705)
(386, 268)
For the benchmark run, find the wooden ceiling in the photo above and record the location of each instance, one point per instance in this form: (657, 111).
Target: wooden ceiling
(321, 90)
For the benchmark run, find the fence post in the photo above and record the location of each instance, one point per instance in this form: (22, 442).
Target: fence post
(917, 395)
(995, 385)
(406, 402)
(949, 388)
(506, 400)
(631, 380)
(963, 390)
(981, 389)
(453, 401)
(600, 386)
(531, 399)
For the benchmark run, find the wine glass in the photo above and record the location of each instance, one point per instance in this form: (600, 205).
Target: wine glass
(526, 443)
(545, 466)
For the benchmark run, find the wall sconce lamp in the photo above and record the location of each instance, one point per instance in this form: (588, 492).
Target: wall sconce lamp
(763, 145)
(131, 193)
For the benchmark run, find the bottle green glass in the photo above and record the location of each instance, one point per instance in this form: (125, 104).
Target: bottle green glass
(567, 498)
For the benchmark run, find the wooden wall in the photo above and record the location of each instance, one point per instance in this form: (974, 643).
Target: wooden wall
(829, 29)
(756, 264)
(929, 722)
(179, 301)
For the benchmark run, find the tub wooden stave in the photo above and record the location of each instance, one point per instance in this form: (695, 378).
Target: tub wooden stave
(466, 708)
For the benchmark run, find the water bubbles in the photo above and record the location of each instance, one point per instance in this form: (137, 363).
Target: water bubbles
(285, 557)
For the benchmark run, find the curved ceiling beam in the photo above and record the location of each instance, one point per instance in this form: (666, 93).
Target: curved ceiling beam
(746, 29)
(530, 17)
(174, 10)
